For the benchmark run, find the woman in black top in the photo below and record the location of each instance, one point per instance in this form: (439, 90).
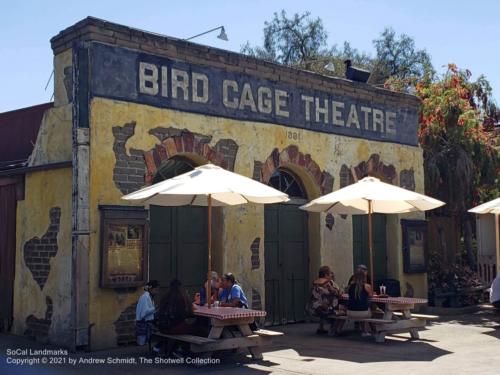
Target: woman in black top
(358, 306)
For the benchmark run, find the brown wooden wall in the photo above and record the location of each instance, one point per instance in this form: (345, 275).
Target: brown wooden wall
(11, 190)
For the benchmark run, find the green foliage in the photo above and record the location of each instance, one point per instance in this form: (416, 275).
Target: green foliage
(461, 165)
(291, 41)
(398, 57)
(301, 41)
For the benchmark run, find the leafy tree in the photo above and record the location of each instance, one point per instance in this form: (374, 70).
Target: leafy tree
(301, 41)
(398, 57)
(461, 166)
(291, 41)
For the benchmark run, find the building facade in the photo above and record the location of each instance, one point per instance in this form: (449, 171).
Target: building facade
(132, 108)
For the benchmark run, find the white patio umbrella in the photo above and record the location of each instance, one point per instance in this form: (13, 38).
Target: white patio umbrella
(370, 195)
(207, 185)
(491, 207)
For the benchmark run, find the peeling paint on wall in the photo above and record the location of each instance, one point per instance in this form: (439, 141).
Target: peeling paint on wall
(407, 179)
(38, 251)
(256, 300)
(329, 221)
(133, 171)
(125, 326)
(177, 142)
(254, 249)
(38, 328)
(292, 156)
(372, 167)
(68, 82)
(129, 170)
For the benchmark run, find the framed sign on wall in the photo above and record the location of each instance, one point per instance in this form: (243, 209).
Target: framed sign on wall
(124, 246)
(414, 245)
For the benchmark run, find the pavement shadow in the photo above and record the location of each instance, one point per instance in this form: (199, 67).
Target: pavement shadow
(354, 348)
(493, 333)
(486, 318)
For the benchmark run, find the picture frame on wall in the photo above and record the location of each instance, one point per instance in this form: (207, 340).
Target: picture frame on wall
(414, 246)
(124, 246)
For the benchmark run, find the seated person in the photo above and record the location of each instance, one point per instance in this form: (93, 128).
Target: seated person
(232, 295)
(175, 315)
(363, 268)
(495, 292)
(325, 298)
(215, 283)
(358, 306)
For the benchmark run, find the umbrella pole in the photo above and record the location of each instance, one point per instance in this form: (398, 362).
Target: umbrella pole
(209, 275)
(370, 241)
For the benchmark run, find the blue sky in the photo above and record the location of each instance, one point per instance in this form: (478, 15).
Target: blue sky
(464, 32)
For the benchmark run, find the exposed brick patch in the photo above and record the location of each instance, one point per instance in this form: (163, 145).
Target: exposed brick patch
(38, 251)
(175, 141)
(133, 171)
(292, 155)
(372, 167)
(407, 179)
(129, 170)
(254, 249)
(228, 148)
(257, 170)
(38, 328)
(329, 221)
(256, 300)
(68, 82)
(125, 326)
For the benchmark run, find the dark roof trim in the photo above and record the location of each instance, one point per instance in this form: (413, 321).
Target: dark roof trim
(44, 167)
(96, 29)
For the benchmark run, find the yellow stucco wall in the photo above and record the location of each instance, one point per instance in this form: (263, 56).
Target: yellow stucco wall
(44, 190)
(243, 223)
(54, 139)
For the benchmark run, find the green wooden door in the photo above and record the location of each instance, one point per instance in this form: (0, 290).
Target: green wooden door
(360, 244)
(178, 246)
(286, 262)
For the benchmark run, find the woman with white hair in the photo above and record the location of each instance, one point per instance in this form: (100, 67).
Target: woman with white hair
(215, 284)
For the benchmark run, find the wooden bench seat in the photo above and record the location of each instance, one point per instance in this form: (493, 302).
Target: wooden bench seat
(418, 316)
(198, 340)
(367, 320)
(268, 333)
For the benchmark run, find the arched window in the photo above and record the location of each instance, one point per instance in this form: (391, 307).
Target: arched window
(287, 183)
(171, 168)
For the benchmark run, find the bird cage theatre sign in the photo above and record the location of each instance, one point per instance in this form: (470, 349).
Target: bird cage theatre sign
(147, 79)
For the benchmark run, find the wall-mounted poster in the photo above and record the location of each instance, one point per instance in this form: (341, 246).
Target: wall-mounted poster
(414, 245)
(123, 246)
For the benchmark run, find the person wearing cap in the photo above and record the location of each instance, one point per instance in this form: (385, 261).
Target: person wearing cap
(232, 295)
(215, 285)
(145, 312)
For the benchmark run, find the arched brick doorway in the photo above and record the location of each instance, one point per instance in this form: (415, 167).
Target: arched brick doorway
(375, 167)
(178, 235)
(286, 252)
(291, 238)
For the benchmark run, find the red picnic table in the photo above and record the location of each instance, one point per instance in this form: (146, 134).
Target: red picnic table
(398, 316)
(221, 337)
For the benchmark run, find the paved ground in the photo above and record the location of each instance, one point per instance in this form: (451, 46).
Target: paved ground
(468, 344)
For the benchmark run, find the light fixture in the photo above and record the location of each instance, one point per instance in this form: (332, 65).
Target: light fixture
(222, 35)
(330, 67)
